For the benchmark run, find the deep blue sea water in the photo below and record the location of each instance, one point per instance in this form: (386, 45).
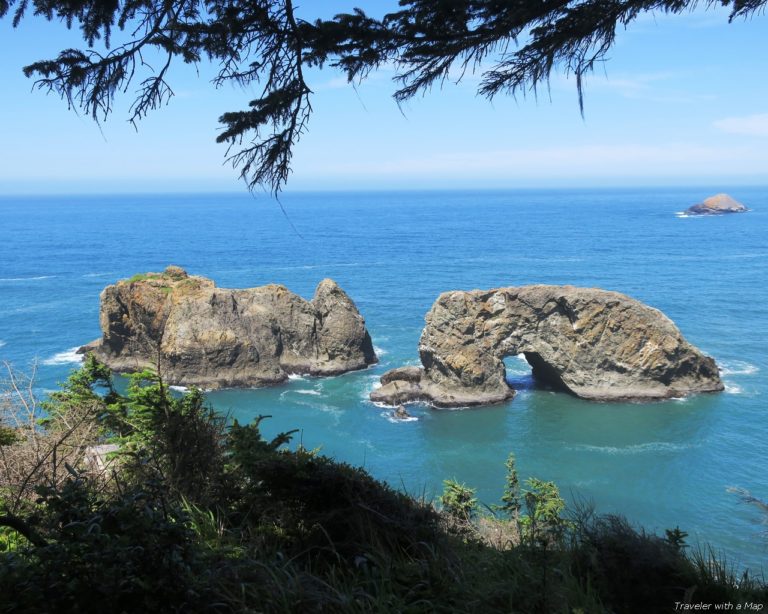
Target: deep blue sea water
(660, 464)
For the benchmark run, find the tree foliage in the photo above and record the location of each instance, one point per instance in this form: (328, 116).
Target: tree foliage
(458, 500)
(510, 499)
(515, 44)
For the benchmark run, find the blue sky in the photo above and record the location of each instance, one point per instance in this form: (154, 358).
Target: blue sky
(682, 101)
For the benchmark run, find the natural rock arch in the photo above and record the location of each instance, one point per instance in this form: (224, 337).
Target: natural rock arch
(593, 343)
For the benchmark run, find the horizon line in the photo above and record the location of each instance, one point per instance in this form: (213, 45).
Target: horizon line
(720, 186)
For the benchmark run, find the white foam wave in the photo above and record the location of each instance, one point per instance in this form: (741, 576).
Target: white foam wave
(518, 371)
(380, 351)
(383, 405)
(394, 420)
(296, 376)
(2, 343)
(681, 214)
(316, 393)
(65, 357)
(737, 367)
(179, 388)
(733, 388)
(37, 278)
(369, 385)
(96, 274)
(642, 448)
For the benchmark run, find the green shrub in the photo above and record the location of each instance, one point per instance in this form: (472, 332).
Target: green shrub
(543, 524)
(131, 549)
(201, 516)
(458, 501)
(511, 498)
(8, 436)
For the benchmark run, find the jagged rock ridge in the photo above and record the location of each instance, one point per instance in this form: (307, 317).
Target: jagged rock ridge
(593, 343)
(216, 337)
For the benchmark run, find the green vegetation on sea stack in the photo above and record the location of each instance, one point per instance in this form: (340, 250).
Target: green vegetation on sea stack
(186, 512)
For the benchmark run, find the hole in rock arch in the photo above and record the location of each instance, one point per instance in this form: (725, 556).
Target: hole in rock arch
(518, 372)
(528, 371)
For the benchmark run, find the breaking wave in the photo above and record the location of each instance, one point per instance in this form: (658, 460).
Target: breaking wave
(733, 388)
(390, 416)
(737, 367)
(37, 278)
(65, 357)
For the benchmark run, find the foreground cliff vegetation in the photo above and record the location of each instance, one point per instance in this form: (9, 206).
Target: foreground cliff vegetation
(198, 514)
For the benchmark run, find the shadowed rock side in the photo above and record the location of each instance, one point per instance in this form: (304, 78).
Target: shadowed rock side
(219, 338)
(595, 344)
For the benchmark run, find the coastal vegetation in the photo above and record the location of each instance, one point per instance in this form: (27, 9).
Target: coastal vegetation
(195, 512)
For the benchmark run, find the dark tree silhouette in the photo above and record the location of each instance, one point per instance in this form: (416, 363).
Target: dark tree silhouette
(515, 44)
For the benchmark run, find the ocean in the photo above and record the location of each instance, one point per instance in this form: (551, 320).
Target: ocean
(661, 464)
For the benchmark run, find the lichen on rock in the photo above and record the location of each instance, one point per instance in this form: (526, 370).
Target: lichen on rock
(201, 335)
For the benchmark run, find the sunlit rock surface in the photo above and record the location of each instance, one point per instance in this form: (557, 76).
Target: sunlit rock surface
(201, 335)
(593, 343)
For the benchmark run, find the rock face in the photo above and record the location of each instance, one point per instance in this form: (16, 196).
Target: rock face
(595, 344)
(717, 205)
(215, 338)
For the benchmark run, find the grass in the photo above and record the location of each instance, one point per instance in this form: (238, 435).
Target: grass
(143, 277)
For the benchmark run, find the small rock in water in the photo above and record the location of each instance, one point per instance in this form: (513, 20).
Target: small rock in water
(718, 204)
(401, 413)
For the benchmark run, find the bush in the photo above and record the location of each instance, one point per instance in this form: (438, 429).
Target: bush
(201, 516)
(131, 550)
(458, 501)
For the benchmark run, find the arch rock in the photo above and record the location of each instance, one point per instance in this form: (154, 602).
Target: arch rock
(595, 344)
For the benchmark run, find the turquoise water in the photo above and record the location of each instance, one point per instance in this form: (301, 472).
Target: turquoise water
(661, 464)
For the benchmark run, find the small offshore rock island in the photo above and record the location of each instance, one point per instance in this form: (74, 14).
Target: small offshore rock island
(719, 204)
(212, 338)
(595, 344)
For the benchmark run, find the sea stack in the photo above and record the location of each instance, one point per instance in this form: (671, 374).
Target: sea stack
(592, 343)
(201, 335)
(719, 204)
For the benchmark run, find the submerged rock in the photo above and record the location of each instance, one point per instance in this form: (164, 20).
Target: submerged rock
(401, 413)
(215, 337)
(593, 343)
(717, 205)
